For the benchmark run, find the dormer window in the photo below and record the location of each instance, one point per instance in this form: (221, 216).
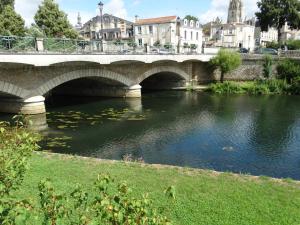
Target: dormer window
(197, 24)
(185, 22)
(192, 23)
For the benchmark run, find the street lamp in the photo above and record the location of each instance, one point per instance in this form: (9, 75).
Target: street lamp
(100, 5)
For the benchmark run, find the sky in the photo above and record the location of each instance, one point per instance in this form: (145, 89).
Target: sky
(205, 10)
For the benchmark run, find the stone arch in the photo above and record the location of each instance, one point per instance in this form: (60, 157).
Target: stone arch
(77, 74)
(163, 69)
(11, 89)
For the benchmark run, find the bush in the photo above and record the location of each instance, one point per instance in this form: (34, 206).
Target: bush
(293, 44)
(288, 70)
(273, 44)
(267, 66)
(295, 87)
(17, 145)
(226, 88)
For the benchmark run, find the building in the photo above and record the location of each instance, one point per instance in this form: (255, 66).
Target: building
(112, 28)
(262, 38)
(289, 34)
(169, 31)
(237, 32)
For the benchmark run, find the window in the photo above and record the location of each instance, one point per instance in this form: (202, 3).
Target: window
(197, 36)
(150, 29)
(191, 35)
(185, 22)
(185, 34)
(139, 30)
(140, 42)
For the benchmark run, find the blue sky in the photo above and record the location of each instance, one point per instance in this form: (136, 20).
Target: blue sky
(206, 10)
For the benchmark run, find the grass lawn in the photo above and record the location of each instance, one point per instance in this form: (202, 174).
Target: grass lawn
(203, 197)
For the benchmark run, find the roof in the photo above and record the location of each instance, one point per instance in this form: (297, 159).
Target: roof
(165, 19)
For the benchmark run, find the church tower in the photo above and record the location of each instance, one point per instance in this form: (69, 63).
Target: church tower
(235, 11)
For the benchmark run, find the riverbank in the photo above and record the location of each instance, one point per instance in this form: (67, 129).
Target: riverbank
(202, 197)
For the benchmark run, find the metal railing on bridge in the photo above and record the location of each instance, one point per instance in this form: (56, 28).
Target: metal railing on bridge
(32, 45)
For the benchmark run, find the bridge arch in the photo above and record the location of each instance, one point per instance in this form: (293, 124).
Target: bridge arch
(163, 69)
(13, 90)
(84, 73)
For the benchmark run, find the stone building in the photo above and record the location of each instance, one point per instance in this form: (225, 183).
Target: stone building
(237, 32)
(113, 28)
(289, 34)
(169, 30)
(262, 38)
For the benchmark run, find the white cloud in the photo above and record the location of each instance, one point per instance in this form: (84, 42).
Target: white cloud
(219, 8)
(117, 8)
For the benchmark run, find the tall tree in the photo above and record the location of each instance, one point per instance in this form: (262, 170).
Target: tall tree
(11, 23)
(275, 13)
(53, 21)
(226, 61)
(4, 3)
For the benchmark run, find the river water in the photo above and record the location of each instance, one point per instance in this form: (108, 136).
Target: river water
(259, 135)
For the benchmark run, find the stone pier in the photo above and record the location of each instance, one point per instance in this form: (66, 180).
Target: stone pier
(30, 106)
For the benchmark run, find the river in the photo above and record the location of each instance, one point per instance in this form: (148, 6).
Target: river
(259, 135)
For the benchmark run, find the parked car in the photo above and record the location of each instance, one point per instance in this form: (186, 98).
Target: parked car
(243, 50)
(269, 51)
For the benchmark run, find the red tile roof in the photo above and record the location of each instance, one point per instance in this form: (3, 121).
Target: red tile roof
(165, 19)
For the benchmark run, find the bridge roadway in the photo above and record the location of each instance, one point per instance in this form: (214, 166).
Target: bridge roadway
(103, 59)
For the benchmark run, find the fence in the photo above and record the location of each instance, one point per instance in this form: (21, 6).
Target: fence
(15, 45)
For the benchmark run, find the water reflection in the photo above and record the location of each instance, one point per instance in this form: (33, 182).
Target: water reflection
(258, 135)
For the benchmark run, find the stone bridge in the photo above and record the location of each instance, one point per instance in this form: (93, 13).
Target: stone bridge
(27, 79)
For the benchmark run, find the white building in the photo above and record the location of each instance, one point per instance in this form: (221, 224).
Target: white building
(169, 30)
(289, 34)
(262, 38)
(237, 32)
(112, 28)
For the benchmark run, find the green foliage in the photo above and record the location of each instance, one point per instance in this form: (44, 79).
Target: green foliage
(190, 17)
(53, 21)
(61, 45)
(194, 46)
(276, 13)
(273, 44)
(226, 61)
(4, 3)
(267, 66)
(11, 23)
(259, 87)
(288, 69)
(16, 145)
(226, 88)
(186, 45)
(35, 31)
(295, 87)
(132, 44)
(293, 44)
(118, 42)
(168, 46)
(112, 204)
(157, 44)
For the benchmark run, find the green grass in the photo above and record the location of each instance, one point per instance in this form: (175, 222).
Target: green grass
(202, 197)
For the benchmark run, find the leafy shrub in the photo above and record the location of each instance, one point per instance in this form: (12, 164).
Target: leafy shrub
(226, 88)
(194, 46)
(267, 66)
(295, 87)
(293, 44)
(288, 69)
(111, 205)
(168, 46)
(273, 44)
(157, 44)
(17, 145)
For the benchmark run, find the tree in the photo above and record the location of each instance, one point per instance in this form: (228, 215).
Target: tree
(226, 61)
(53, 21)
(190, 17)
(275, 13)
(4, 3)
(11, 23)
